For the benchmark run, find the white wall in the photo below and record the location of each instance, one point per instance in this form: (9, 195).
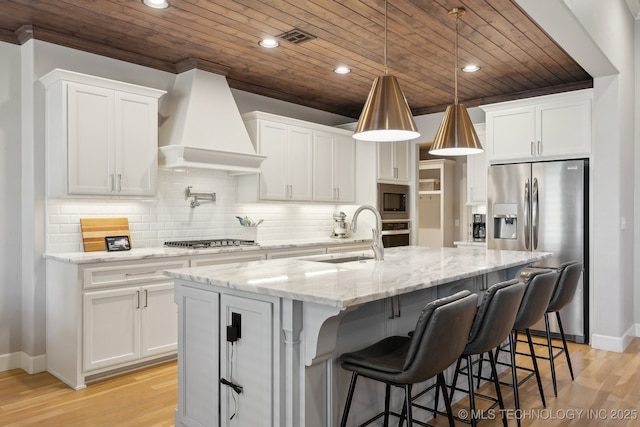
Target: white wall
(10, 223)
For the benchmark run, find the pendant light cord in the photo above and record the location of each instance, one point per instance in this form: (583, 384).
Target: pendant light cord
(386, 69)
(455, 66)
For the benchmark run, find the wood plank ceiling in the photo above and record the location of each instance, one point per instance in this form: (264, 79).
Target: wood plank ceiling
(517, 58)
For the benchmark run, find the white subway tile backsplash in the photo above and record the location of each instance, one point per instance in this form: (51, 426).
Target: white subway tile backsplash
(169, 216)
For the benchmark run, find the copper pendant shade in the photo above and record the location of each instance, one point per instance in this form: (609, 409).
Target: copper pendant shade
(386, 115)
(456, 135)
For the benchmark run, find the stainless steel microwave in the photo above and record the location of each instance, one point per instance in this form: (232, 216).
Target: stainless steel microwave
(393, 201)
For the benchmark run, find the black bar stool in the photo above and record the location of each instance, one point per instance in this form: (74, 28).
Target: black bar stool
(492, 325)
(539, 286)
(440, 335)
(569, 276)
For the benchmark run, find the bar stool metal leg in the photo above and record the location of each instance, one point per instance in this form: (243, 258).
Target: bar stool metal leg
(347, 405)
(496, 383)
(534, 360)
(564, 344)
(550, 347)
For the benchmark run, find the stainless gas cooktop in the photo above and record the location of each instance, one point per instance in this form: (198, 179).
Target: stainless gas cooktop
(210, 243)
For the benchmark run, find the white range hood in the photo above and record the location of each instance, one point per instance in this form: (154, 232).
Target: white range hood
(204, 129)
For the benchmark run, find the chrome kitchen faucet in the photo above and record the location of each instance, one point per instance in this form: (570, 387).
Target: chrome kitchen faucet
(376, 244)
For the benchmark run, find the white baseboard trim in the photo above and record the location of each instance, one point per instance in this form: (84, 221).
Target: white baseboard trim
(21, 360)
(33, 364)
(9, 361)
(637, 330)
(617, 344)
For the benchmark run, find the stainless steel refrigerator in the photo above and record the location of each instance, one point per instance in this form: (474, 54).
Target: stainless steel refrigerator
(543, 206)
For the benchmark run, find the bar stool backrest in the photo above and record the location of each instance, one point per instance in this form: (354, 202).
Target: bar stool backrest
(495, 316)
(539, 286)
(569, 276)
(441, 333)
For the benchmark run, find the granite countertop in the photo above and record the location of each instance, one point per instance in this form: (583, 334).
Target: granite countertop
(404, 269)
(164, 252)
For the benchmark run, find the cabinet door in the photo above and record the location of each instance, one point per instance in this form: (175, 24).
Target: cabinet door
(344, 169)
(136, 129)
(511, 134)
(273, 144)
(198, 358)
(386, 167)
(393, 161)
(248, 361)
(299, 163)
(324, 188)
(477, 172)
(565, 128)
(111, 332)
(401, 160)
(159, 320)
(477, 179)
(91, 155)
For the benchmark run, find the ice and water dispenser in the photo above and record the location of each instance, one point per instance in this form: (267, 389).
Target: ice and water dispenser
(505, 221)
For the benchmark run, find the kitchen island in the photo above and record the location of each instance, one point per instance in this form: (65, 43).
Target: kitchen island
(275, 328)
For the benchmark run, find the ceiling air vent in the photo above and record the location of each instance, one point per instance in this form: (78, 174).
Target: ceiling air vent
(296, 36)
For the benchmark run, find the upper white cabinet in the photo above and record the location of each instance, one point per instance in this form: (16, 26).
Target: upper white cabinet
(543, 128)
(102, 136)
(477, 172)
(305, 161)
(393, 162)
(333, 167)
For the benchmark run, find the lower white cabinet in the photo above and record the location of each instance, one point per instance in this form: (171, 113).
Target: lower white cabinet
(126, 324)
(107, 317)
(208, 356)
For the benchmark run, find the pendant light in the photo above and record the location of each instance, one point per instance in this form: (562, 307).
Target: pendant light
(386, 115)
(456, 135)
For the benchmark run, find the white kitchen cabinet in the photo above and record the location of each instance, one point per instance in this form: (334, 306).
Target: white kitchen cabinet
(286, 172)
(393, 162)
(544, 128)
(250, 361)
(435, 205)
(111, 332)
(198, 358)
(477, 172)
(102, 136)
(206, 356)
(227, 258)
(105, 317)
(126, 324)
(333, 166)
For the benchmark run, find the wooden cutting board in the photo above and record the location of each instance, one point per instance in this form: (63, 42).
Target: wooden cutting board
(94, 230)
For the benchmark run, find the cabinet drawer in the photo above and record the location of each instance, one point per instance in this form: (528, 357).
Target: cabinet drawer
(100, 277)
(227, 258)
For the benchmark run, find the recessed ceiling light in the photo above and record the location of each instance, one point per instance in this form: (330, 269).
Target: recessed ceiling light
(342, 69)
(269, 43)
(471, 68)
(156, 4)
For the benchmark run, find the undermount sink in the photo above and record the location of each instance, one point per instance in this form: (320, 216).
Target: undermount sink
(344, 259)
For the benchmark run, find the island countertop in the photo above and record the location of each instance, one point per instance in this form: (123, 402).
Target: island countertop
(404, 269)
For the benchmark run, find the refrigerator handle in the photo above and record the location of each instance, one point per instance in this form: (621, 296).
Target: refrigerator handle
(535, 217)
(527, 230)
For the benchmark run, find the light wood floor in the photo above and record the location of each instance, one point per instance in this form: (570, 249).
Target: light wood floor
(606, 385)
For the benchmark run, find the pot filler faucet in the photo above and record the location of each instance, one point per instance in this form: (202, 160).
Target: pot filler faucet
(376, 243)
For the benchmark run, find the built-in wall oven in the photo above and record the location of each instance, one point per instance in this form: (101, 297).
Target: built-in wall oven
(393, 204)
